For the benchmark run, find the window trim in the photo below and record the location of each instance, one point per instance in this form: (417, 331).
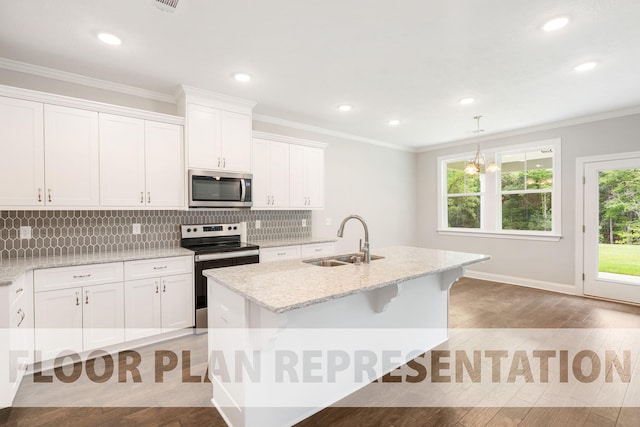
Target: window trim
(491, 217)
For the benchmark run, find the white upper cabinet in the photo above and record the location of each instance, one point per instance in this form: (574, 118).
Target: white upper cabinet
(217, 129)
(164, 164)
(141, 163)
(235, 136)
(71, 157)
(270, 174)
(306, 169)
(203, 134)
(21, 152)
(122, 174)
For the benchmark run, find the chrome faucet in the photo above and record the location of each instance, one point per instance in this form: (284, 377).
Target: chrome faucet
(363, 248)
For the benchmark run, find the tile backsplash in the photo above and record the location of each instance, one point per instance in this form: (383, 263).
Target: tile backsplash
(78, 232)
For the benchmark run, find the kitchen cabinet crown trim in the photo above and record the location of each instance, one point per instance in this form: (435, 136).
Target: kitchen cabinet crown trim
(289, 139)
(214, 100)
(100, 107)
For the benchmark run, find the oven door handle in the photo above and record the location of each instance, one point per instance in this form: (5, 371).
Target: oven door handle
(226, 255)
(243, 193)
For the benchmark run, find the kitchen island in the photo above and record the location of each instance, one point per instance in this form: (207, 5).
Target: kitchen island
(289, 338)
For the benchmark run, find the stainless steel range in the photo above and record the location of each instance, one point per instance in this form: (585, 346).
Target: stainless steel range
(215, 246)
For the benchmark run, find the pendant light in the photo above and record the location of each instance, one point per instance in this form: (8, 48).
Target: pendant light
(474, 167)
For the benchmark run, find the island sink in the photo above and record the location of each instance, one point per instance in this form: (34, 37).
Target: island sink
(339, 260)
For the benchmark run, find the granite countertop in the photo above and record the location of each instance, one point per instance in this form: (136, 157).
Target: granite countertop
(287, 285)
(10, 269)
(272, 243)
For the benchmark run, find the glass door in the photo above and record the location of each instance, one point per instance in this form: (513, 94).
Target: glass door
(612, 229)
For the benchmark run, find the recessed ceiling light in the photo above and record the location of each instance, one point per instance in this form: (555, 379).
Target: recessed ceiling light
(555, 24)
(586, 66)
(467, 101)
(344, 107)
(394, 122)
(242, 77)
(109, 39)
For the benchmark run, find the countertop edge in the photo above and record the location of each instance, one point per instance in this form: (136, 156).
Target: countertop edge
(280, 310)
(36, 263)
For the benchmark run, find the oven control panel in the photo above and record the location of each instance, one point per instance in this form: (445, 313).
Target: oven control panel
(213, 230)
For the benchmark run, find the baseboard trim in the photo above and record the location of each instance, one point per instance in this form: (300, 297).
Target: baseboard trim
(521, 281)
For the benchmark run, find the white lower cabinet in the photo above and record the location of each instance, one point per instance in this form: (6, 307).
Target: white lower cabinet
(281, 253)
(78, 319)
(159, 304)
(82, 308)
(158, 296)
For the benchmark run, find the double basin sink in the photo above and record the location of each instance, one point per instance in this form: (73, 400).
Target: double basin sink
(338, 260)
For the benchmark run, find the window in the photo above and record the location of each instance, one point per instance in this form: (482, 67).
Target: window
(522, 198)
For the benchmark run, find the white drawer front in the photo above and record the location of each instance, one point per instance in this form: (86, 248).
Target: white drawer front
(158, 267)
(316, 249)
(70, 277)
(279, 253)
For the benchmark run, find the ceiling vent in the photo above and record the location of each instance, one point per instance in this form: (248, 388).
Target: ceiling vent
(166, 5)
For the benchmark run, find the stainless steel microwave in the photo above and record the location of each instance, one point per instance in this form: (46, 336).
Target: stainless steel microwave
(218, 189)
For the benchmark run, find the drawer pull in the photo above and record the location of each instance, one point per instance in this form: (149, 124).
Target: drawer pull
(77, 298)
(281, 253)
(82, 276)
(19, 290)
(319, 250)
(160, 268)
(22, 316)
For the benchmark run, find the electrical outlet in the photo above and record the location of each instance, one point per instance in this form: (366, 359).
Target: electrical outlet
(328, 221)
(137, 229)
(257, 224)
(25, 232)
(304, 222)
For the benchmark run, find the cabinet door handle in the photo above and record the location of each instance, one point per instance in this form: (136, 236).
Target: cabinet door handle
(157, 288)
(77, 298)
(49, 194)
(224, 162)
(148, 196)
(86, 297)
(22, 316)
(81, 276)
(19, 290)
(164, 286)
(141, 197)
(218, 161)
(39, 194)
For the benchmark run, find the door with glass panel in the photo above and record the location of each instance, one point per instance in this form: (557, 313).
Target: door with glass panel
(612, 229)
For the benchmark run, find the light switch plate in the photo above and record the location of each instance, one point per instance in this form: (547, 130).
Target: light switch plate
(257, 224)
(137, 229)
(304, 222)
(25, 232)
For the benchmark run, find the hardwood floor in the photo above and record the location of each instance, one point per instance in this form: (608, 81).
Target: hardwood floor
(473, 304)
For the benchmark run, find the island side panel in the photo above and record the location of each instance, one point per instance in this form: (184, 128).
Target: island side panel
(417, 303)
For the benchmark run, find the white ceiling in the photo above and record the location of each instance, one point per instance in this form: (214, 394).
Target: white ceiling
(407, 59)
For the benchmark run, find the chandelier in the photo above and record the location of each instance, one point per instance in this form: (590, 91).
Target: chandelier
(474, 167)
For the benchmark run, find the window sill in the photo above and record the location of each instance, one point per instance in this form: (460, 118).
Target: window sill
(501, 235)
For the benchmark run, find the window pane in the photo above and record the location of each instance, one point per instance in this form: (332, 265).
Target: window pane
(539, 170)
(458, 182)
(513, 175)
(526, 211)
(464, 212)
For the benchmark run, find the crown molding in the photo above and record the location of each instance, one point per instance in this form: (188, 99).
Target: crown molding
(36, 70)
(288, 139)
(323, 131)
(67, 101)
(538, 128)
(214, 99)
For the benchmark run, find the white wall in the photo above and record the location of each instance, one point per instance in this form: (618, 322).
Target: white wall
(549, 263)
(374, 182)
